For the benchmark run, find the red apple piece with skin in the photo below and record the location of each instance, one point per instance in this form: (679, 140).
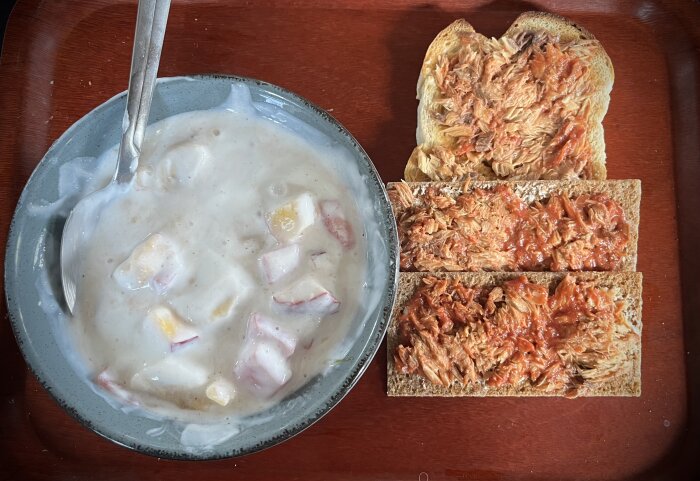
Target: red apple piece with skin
(336, 224)
(107, 382)
(262, 327)
(307, 296)
(174, 346)
(280, 262)
(264, 369)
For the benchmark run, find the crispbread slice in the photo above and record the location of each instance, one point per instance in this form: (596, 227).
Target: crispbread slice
(626, 286)
(627, 193)
(428, 132)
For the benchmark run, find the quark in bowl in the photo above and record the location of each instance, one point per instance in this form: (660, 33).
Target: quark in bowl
(165, 318)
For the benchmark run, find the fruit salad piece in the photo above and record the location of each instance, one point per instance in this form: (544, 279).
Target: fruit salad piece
(263, 366)
(288, 221)
(224, 308)
(107, 381)
(221, 391)
(177, 331)
(278, 263)
(307, 296)
(178, 166)
(262, 327)
(155, 262)
(336, 224)
(182, 163)
(171, 372)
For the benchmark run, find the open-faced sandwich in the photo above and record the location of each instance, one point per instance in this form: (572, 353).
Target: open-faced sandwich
(505, 334)
(529, 105)
(517, 226)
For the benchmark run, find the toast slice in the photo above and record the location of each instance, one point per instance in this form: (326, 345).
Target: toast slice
(470, 227)
(526, 106)
(612, 371)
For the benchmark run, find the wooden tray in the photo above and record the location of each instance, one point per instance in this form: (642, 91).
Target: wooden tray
(360, 61)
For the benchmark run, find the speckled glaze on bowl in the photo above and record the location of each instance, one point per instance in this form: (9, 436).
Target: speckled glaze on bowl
(32, 254)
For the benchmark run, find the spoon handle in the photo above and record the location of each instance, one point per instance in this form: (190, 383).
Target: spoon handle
(148, 42)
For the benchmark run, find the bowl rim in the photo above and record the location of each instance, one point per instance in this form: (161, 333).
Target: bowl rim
(372, 344)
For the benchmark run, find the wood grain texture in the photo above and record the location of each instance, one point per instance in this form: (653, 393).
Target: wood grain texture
(360, 60)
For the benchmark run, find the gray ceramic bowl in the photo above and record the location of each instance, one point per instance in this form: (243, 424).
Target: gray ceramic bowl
(37, 310)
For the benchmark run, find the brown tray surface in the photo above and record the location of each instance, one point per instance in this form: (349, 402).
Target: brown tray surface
(360, 61)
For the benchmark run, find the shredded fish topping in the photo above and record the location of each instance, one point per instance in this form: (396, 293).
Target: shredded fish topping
(515, 106)
(517, 334)
(495, 229)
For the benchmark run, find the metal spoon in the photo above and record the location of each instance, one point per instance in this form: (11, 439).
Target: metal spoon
(148, 42)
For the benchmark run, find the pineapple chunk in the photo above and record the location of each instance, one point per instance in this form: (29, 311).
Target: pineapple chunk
(224, 309)
(155, 263)
(220, 391)
(287, 222)
(173, 328)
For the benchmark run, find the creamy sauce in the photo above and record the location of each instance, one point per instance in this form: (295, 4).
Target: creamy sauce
(227, 276)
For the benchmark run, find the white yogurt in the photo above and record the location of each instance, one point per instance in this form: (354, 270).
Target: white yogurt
(228, 275)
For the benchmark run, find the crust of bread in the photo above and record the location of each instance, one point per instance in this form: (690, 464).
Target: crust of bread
(626, 382)
(428, 133)
(446, 42)
(627, 193)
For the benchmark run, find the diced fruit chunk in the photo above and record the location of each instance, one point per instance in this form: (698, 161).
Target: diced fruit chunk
(280, 262)
(174, 346)
(263, 365)
(264, 368)
(181, 164)
(224, 308)
(336, 224)
(307, 296)
(173, 371)
(262, 327)
(155, 263)
(220, 391)
(175, 330)
(109, 383)
(288, 221)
